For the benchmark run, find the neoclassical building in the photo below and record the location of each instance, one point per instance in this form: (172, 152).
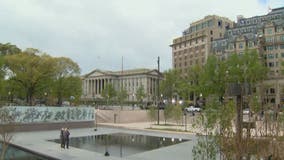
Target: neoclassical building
(94, 82)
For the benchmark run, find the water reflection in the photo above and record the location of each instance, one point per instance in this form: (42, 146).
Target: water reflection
(14, 153)
(122, 144)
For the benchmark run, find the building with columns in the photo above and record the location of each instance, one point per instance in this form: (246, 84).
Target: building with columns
(94, 83)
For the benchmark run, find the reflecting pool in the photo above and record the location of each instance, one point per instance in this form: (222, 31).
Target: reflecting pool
(121, 144)
(16, 153)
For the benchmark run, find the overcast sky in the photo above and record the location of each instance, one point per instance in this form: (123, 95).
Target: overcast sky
(98, 33)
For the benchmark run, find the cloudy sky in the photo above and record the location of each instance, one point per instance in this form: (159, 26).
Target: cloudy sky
(97, 33)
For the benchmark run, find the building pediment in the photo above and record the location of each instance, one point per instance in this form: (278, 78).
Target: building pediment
(153, 72)
(97, 73)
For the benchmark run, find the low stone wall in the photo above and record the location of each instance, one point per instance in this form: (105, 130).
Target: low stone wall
(31, 118)
(32, 114)
(48, 126)
(124, 116)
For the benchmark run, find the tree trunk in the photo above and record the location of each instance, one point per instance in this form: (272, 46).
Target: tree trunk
(239, 128)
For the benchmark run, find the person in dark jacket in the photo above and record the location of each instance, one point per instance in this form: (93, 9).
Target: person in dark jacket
(62, 140)
(66, 137)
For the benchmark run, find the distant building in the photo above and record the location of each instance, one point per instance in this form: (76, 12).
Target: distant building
(265, 34)
(193, 47)
(94, 83)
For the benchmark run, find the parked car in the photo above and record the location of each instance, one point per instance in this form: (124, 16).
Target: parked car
(192, 109)
(246, 111)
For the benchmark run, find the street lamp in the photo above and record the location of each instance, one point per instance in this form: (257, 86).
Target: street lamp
(106, 143)
(185, 120)
(71, 99)
(173, 101)
(9, 97)
(45, 98)
(158, 90)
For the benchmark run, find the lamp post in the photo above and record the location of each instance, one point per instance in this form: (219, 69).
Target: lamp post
(45, 98)
(96, 122)
(9, 97)
(106, 143)
(71, 100)
(158, 90)
(185, 120)
(173, 101)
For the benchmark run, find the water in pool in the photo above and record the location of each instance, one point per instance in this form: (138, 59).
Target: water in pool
(121, 144)
(15, 153)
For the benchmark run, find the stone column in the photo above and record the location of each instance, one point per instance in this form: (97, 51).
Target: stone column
(93, 84)
(88, 85)
(85, 87)
(96, 86)
(101, 82)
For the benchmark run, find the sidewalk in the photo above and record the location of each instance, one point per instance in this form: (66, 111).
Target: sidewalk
(170, 127)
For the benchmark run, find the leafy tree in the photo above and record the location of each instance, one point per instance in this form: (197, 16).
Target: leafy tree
(170, 84)
(121, 96)
(152, 114)
(29, 70)
(2, 73)
(217, 78)
(205, 149)
(108, 92)
(66, 81)
(140, 94)
(189, 85)
(168, 112)
(177, 113)
(8, 48)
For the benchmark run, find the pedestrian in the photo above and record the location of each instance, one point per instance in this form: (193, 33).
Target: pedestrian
(62, 140)
(66, 137)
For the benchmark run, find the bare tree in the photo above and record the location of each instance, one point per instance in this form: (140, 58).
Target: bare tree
(6, 129)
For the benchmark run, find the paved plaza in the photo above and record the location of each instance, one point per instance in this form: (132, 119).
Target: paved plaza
(38, 142)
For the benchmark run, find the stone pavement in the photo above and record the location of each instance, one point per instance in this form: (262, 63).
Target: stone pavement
(38, 142)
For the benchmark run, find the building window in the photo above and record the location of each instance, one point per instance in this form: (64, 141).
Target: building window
(269, 39)
(219, 23)
(211, 32)
(282, 38)
(268, 31)
(241, 45)
(250, 44)
(269, 48)
(282, 55)
(272, 90)
(231, 46)
(271, 64)
(279, 29)
(270, 56)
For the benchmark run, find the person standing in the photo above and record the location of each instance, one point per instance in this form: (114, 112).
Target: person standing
(66, 137)
(62, 139)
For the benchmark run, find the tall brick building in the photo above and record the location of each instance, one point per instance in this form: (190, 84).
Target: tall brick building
(193, 47)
